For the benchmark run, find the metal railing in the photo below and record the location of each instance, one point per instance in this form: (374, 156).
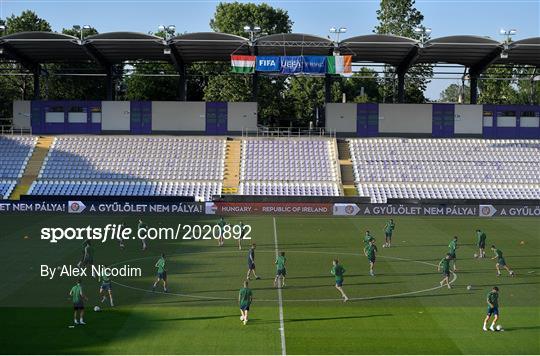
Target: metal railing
(10, 130)
(267, 131)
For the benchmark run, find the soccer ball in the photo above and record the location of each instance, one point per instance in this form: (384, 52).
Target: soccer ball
(499, 328)
(241, 318)
(97, 308)
(469, 287)
(475, 255)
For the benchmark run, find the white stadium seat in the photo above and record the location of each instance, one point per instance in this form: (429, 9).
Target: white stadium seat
(446, 168)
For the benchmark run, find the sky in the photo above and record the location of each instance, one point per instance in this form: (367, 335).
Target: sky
(444, 17)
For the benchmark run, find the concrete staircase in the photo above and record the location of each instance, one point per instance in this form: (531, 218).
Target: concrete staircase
(345, 166)
(33, 167)
(231, 177)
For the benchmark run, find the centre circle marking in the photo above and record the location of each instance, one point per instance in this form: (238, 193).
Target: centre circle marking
(199, 297)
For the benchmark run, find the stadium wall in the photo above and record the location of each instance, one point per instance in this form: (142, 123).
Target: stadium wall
(220, 118)
(395, 119)
(241, 116)
(21, 114)
(115, 116)
(468, 119)
(341, 117)
(434, 120)
(178, 116)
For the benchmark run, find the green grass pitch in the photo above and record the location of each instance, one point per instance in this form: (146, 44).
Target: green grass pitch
(398, 311)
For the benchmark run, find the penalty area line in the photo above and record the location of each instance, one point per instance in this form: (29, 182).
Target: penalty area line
(280, 299)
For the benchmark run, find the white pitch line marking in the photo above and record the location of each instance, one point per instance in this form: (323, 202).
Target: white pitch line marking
(280, 300)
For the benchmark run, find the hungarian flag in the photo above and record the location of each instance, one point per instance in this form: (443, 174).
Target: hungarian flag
(243, 64)
(339, 64)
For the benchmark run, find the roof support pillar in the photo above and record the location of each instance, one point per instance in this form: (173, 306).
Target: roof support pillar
(401, 87)
(37, 88)
(182, 82)
(254, 86)
(474, 89)
(110, 83)
(328, 80)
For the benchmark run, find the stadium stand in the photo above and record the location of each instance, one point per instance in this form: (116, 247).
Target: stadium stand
(16, 151)
(288, 167)
(132, 166)
(127, 188)
(6, 187)
(446, 168)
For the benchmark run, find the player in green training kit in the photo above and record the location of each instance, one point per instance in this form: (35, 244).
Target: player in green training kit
(105, 287)
(77, 296)
(221, 223)
(338, 271)
(388, 230)
(241, 237)
(500, 261)
(444, 267)
(141, 226)
(281, 271)
(245, 297)
(370, 251)
(493, 308)
(481, 237)
(88, 255)
(452, 247)
(161, 273)
(251, 263)
(367, 239)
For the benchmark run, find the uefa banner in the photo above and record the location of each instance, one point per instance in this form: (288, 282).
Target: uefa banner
(226, 208)
(97, 207)
(344, 209)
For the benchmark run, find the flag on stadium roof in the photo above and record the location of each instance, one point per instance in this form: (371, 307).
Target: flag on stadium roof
(243, 64)
(339, 64)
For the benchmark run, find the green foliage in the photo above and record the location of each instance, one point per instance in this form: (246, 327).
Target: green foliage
(74, 87)
(19, 87)
(141, 85)
(352, 87)
(228, 87)
(232, 17)
(452, 93)
(307, 96)
(400, 18)
(496, 91)
(27, 21)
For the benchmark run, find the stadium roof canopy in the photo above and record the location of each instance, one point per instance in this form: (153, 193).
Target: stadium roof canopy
(32, 49)
(116, 47)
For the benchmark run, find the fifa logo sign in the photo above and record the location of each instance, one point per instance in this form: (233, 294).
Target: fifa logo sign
(267, 62)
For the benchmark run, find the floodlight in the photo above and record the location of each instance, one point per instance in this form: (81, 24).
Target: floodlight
(247, 28)
(76, 27)
(2, 27)
(86, 27)
(427, 31)
(171, 28)
(161, 28)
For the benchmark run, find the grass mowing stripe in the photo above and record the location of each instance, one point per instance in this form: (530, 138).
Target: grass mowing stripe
(280, 300)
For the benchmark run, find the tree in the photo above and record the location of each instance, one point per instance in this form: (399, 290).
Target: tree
(361, 87)
(18, 87)
(400, 18)
(307, 97)
(453, 92)
(496, 90)
(77, 87)
(232, 17)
